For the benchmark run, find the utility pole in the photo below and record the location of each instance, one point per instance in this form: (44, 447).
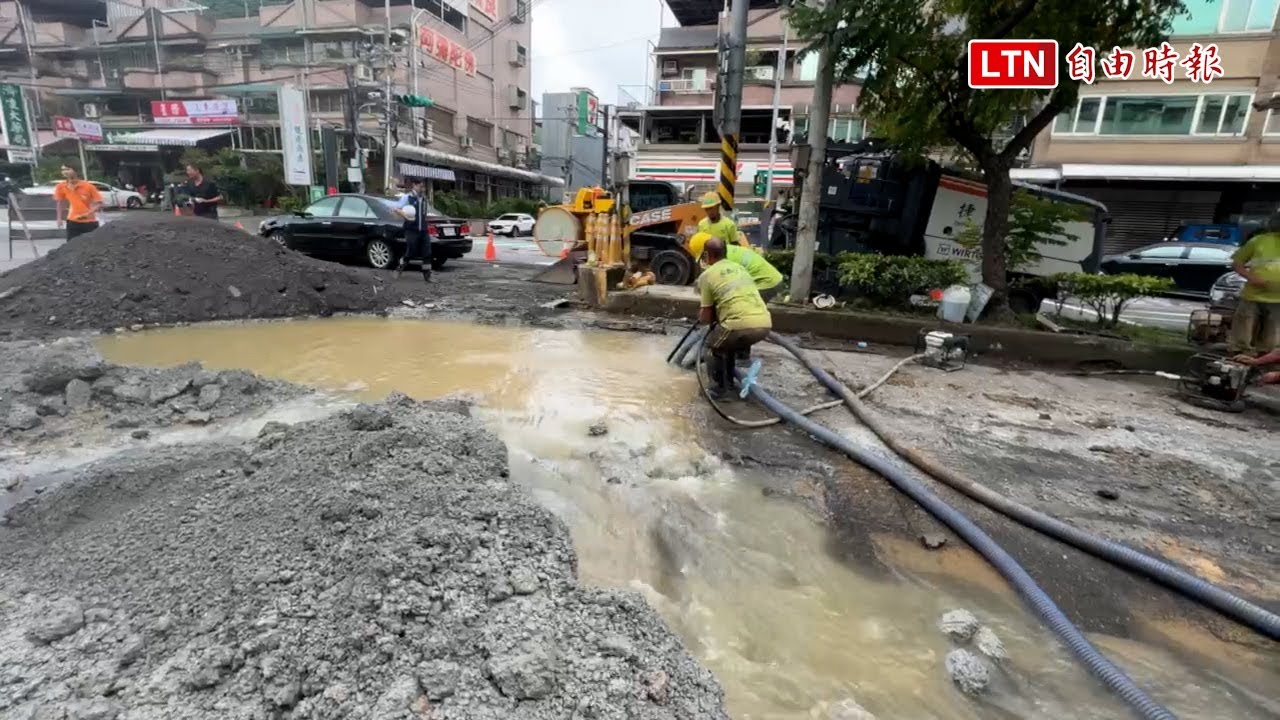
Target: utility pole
(807, 232)
(777, 98)
(388, 68)
(604, 160)
(155, 45)
(731, 112)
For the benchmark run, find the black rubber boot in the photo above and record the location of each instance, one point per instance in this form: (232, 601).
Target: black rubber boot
(426, 274)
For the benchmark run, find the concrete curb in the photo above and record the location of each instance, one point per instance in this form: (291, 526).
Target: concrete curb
(1042, 348)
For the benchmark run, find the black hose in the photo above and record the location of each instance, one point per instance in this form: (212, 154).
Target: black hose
(1040, 602)
(1186, 584)
(680, 344)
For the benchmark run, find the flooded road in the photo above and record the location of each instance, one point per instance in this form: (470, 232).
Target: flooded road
(748, 582)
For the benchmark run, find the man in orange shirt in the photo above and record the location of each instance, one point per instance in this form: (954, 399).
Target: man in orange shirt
(78, 203)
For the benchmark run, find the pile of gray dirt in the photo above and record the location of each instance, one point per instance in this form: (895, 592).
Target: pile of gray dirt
(145, 269)
(377, 564)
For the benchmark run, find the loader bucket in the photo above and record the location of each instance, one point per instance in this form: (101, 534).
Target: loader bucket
(562, 272)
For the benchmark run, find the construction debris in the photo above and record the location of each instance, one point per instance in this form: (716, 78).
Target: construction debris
(149, 269)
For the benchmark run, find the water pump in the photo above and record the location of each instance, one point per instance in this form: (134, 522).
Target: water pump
(942, 350)
(1215, 382)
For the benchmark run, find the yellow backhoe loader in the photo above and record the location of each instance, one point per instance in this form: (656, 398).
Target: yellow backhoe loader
(646, 230)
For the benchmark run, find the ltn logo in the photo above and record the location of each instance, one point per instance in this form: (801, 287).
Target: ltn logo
(1013, 64)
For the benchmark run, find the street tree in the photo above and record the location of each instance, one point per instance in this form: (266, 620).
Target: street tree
(916, 94)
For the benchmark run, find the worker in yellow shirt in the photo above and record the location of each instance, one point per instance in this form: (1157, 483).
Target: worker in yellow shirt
(716, 223)
(730, 299)
(767, 279)
(1257, 320)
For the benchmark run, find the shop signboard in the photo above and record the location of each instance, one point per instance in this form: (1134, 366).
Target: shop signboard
(294, 136)
(195, 112)
(15, 124)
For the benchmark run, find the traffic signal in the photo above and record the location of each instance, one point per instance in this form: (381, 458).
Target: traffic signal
(415, 100)
(760, 182)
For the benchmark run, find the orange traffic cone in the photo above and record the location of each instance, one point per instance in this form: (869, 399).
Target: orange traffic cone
(490, 252)
(239, 226)
(177, 212)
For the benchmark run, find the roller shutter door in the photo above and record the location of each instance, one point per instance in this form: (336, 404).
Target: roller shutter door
(1142, 217)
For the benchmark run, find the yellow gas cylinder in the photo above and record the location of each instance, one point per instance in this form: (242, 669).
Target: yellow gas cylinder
(606, 240)
(590, 230)
(626, 243)
(615, 240)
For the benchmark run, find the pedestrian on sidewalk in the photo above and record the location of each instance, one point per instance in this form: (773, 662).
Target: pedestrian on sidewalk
(1256, 324)
(203, 192)
(78, 203)
(413, 208)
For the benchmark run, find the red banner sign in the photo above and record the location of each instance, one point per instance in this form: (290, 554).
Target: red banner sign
(65, 127)
(195, 112)
(447, 51)
(489, 8)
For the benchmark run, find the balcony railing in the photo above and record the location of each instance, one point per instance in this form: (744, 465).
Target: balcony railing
(687, 86)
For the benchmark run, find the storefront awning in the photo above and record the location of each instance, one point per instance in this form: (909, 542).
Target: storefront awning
(1189, 173)
(183, 138)
(458, 161)
(430, 173)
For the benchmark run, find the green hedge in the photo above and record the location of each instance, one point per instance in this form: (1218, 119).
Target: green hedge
(460, 206)
(1107, 295)
(889, 280)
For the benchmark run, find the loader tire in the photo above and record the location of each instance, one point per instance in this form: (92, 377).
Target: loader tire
(671, 267)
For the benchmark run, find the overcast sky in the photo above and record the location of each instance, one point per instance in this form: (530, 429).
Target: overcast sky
(599, 44)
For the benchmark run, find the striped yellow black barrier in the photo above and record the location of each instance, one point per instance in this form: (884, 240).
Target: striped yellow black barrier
(728, 170)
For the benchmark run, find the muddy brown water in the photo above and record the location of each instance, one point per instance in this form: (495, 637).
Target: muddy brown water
(747, 581)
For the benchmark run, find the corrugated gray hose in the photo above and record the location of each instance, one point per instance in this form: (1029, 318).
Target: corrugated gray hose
(1237, 608)
(1040, 602)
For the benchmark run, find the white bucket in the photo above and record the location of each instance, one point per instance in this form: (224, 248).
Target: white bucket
(955, 303)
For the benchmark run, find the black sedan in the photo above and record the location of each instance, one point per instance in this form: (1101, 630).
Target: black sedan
(363, 226)
(1193, 267)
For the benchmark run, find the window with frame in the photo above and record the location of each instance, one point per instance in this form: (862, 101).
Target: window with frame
(481, 133)
(1162, 251)
(1219, 114)
(845, 129)
(282, 53)
(441, 120)
(807, 70)
(353, 207)
(446, 12)
(328, 102)
(1272, 125)
(324, 207)
(1211, 17)
(1209, 254)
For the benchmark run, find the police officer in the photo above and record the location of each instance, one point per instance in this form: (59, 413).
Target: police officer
(417, 241)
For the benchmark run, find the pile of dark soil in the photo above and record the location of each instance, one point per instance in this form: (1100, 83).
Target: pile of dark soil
(164, 269)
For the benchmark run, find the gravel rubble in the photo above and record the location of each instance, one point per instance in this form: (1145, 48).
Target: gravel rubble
(377, 564)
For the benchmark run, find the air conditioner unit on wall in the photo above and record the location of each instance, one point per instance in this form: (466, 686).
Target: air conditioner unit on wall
(670, 67)
(518, 54)
(364, 73)
(466, 143)
(513, 97)
(90, 110)
(426, 132)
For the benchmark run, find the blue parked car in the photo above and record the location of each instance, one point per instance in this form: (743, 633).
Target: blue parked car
(1217, 234)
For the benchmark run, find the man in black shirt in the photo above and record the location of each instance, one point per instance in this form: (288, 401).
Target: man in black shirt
(203, 193)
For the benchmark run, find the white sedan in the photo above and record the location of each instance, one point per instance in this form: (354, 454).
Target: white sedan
(112, 197)
(512, 224)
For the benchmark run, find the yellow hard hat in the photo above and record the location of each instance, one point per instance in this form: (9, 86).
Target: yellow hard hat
(697, 243)
(710, 200)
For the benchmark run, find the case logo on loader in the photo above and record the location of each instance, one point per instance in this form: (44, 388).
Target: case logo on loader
(651, 217)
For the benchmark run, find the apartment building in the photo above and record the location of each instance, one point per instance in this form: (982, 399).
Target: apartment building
(1159, 154)
(110, 61)
(673, 114)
